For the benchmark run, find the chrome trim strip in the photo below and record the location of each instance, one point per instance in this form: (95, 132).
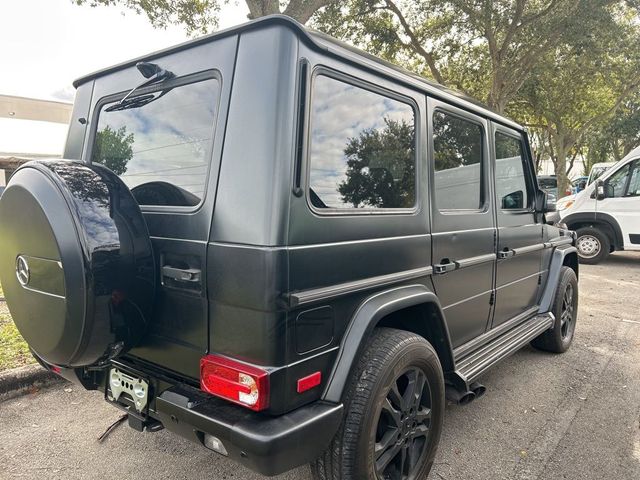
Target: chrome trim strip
(529, 249)
(473, 261)
(559, 242)
(316, 294)
(42, 292)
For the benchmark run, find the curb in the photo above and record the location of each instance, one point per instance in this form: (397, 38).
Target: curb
(22, 380)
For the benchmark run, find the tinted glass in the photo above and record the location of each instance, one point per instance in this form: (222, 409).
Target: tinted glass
(634, 183)
(511, 183)
(548, 183)
(617, 182)
(161, 149)
(458, 157)
(362, 152)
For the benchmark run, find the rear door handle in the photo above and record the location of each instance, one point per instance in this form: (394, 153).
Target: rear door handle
(442, 268)
(191, 275)
(506, 253)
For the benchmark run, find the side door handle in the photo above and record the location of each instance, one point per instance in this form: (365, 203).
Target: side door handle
(506, 253)
(442, 268)
(191, 275)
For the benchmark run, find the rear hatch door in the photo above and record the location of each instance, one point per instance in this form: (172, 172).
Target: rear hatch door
(165, 142)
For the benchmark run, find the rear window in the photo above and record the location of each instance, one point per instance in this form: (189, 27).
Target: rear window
(548, 182)
(161, 145)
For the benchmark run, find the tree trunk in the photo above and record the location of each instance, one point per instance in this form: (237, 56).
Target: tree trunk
(562, 150)
(300, 10)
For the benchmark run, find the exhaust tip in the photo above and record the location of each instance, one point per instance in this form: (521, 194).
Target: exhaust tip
(467, 398)
(478, 389)
(459, 397)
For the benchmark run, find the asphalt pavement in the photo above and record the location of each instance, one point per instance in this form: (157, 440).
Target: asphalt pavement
(544, 416)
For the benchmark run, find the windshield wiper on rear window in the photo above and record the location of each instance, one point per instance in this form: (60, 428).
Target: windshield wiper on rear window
(154, 74)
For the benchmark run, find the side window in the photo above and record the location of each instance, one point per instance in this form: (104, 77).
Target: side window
(615, 185)
(634, 183)
(458, 162)
(362, 148)
(159, 144)
(511, 180)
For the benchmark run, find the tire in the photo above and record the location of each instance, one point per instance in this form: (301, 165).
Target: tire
(593, 245)
(565, 309)
(391, 358)
(76, 262)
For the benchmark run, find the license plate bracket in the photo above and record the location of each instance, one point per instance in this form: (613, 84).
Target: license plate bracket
(132, 387)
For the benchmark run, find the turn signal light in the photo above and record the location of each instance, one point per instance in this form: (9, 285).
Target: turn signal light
(237, 382)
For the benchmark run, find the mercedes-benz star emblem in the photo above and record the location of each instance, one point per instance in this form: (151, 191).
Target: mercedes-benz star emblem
(22, 270)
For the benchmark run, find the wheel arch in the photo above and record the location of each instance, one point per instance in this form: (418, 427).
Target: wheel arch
(605, 222)
(562, 256)
(413, 308)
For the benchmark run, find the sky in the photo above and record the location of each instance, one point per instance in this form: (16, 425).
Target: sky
(46, 44)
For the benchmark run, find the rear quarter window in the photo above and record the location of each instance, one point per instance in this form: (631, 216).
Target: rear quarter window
(362, 149)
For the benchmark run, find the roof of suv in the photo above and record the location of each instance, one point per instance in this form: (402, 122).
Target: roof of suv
(331, 46)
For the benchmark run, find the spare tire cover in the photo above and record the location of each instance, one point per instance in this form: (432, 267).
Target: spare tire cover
(76, 262)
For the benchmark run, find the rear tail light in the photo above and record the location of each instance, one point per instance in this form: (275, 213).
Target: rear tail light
(235, 381)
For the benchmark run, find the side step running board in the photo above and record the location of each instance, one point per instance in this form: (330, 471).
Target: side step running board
(475, 363)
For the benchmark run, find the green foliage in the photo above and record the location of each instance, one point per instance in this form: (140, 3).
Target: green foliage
(615, 138)
(14, 351)
(381, 167)
(196, 15)
(577, 88)
(485, 49)
(201, 16)
(113, 148)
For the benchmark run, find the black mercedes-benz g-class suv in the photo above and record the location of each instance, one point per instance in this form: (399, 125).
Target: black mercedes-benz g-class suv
(285, 250)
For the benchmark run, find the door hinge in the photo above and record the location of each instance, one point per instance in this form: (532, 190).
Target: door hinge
(539, 279)
(492, 298)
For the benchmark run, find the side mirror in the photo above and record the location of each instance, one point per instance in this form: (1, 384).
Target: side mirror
(545, 202)
(600, 190)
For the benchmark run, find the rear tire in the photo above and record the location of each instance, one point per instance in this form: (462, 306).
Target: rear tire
(391, 426)
(565, 309)
(593, 245)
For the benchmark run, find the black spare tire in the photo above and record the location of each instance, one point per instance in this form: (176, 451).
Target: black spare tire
(76, 262)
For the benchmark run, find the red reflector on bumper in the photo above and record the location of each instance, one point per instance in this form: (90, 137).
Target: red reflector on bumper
(308, 382)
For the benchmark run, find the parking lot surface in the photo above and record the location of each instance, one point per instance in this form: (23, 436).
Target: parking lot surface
(572, 416)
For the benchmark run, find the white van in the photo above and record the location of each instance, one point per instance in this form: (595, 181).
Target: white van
(606, 214)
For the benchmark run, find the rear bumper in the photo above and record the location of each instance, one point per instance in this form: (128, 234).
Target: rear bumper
(265, 444)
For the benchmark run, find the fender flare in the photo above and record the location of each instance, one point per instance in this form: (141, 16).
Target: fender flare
(365, 319)
(557, 262)
(595, 218)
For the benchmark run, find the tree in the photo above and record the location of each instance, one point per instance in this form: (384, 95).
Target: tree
(381, 167)
(201, 16)
(113, 149)
(617, 137)
(578, 86)
(485, 48)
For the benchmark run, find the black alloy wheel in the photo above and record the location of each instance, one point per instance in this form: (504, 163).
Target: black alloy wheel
(403, 427)
(567, 324)
(565, 310)
(393, 412)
